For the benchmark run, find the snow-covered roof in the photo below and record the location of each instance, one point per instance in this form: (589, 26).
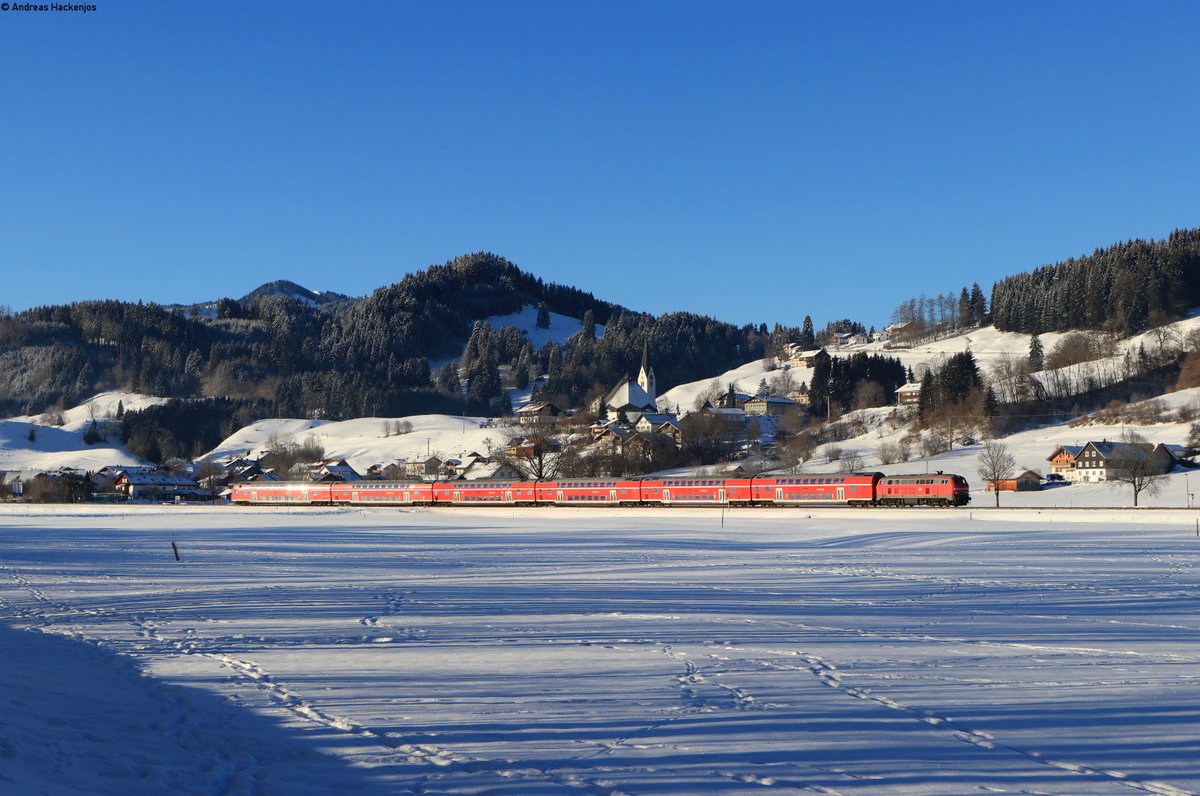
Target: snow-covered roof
(156, 479)
(629, 395)
(771, 400)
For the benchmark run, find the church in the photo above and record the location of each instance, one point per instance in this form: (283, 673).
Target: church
(633, 398)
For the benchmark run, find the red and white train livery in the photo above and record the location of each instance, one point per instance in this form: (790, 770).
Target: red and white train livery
(851, 489)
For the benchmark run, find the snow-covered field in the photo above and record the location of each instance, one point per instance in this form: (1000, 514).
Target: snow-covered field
(557, 651)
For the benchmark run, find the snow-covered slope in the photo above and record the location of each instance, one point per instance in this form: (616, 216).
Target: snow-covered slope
(365, 441)
(560, 330)
(63, 446)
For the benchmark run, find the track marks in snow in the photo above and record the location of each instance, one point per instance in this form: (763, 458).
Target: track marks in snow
(393, 605)
(691, 682)
(447, 761)
(830, 676)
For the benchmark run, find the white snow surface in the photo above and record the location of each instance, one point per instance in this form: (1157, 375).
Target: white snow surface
(366, 441)
(599, 651)
(63, 446)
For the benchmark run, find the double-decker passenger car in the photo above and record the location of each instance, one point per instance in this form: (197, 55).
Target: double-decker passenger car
(692, 491)
(588, 492)
(274, 492)
(828, 489)
(471, 493)
(382, 493)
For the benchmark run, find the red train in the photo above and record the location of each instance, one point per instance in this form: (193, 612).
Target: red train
(856, 489)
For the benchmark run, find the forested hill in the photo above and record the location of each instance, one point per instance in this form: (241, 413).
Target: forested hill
(279, 356)
(1123, 288)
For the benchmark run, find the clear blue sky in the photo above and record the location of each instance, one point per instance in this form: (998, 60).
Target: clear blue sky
(754, 161)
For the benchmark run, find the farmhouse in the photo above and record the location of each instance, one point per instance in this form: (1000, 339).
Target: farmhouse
(1101, 461)
(155, 485)
(1062, 461)
(909, 394)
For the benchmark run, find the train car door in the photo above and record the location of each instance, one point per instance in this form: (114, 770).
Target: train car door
(666, 496)
(508, 497)
(778, 494)
(458, 497)
(408, 497)
(558, 496)
(612, 496)
(841, 493)
(722, 496)
(254, 496)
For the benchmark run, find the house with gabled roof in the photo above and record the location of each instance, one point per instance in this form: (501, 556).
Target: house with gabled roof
(156, 486)
(663, 424)
(802, 357)
(1062, 461)
(536, 412)
(332, 470)
(1101, 461)
(773, 406)
(909, 394)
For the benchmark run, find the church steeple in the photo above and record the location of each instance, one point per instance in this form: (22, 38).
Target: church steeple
(646, 374)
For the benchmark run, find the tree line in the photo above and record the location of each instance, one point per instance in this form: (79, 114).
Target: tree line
(1124, 288)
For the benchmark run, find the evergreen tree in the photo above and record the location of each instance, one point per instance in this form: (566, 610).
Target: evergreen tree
(589, 325)
(978, 305)
(808, 340)
(958, 377)
(1037, 360)
(927, 399)
(543, 315)
(991, 406)
(965, 316)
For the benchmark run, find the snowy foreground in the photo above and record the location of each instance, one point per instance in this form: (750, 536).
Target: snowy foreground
(599, 651)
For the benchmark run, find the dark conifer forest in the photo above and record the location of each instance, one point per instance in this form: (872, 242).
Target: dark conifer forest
(1124, 289)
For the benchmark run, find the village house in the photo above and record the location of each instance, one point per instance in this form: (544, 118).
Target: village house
(892, 331)
(731, 419)
(1101, 461)
(772, 406)
(664, 424)
(805, 358)
(537, 412)
(141, 485)
(909, 394)
(423, 469)
(1062, 461)
(610, 435)
(331, 470)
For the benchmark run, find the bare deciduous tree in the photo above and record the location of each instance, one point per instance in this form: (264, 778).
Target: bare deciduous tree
(533, 451)
(888, 453)
(1138, 467)
(995, 465)
(851, 462)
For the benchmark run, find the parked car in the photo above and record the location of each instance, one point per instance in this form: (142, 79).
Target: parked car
(1055, 477)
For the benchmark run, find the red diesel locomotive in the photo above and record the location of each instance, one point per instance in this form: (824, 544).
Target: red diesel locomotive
(852, 489)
